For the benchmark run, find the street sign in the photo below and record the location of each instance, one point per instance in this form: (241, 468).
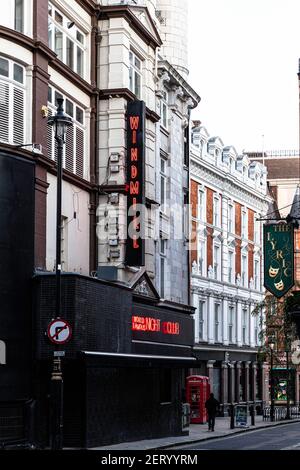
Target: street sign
(241, 412)
(278, 258)
(59, 331)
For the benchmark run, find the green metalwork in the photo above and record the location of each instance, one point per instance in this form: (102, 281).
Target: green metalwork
(278, 258)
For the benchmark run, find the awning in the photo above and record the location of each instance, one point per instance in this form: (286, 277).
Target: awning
(104, 359)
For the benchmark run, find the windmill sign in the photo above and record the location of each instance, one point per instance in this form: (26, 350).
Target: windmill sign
(278, 258)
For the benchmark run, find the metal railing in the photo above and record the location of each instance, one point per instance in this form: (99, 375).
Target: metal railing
(280, 412)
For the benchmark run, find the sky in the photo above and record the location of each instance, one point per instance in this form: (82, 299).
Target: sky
(243, 57)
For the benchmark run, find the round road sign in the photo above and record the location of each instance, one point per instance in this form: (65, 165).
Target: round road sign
(59, 331)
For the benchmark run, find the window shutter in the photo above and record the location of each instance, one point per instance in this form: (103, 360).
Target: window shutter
(69, 160)
(79, 152)
(18, 116)
(49, 138)
(4, 112)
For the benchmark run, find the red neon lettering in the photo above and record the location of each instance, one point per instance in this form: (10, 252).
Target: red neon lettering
(135, 244)
(134, 137)
(170, 328)
(134, 203)
(134, 155)
(134, 122)
(134, 187)
(145, 324)
(134, 172)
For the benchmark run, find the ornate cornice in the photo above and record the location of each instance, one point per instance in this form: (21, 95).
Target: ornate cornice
(124, 11)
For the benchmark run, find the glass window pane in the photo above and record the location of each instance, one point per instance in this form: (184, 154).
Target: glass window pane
(137, 90)
(70, 53)
(58, 47)
(57, 95)
(50, 35)
(79, 37)
(137, 63)
(19, 15)
(4, 67)
(130, 57)
(49, 94)
(58, 18)
(18, 73)
(79, 115)
(69, 108)
(79, 61)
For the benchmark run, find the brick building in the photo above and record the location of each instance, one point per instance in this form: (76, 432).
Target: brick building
(228, 196)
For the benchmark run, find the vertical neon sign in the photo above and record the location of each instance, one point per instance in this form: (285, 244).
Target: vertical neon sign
(135, 244)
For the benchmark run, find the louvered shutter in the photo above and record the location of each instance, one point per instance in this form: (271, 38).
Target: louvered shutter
(79, 152)
(69, 158)
(4, 112)
(49, 138)
(18, 116)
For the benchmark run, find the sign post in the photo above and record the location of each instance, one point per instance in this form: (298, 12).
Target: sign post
(278, 258)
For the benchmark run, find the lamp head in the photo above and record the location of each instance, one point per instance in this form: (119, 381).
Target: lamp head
(60, 121)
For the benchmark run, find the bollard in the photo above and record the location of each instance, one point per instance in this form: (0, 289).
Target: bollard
(252, 414)
(231, 416)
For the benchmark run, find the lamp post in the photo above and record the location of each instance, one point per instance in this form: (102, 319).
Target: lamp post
(287, 349)
(60, 121)
(271, 345)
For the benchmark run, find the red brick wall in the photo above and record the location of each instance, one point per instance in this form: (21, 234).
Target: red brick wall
(250, 225)
(209, 218)
(193, 237)
(238, 219)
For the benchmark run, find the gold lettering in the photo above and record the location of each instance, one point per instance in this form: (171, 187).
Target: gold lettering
(279, 254)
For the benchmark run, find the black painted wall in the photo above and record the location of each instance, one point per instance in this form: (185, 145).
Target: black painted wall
(99, 314)
(16, 269)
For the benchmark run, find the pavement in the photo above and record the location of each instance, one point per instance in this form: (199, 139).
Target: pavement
(197, 433)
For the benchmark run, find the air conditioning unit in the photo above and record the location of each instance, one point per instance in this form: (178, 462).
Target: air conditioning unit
(114, 168)
(114, 253)
(114, 157)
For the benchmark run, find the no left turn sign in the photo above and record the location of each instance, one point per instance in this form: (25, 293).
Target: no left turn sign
(59, 331)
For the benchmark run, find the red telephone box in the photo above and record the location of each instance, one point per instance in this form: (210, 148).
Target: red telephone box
(197, 392)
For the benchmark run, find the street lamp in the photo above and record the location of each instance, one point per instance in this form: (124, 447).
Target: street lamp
(60, 122)
(287, 350)
(271, 345)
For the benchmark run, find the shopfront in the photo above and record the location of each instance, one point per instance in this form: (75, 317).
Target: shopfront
(125, 366)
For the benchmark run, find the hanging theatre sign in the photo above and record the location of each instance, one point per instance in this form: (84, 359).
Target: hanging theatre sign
(278, 258)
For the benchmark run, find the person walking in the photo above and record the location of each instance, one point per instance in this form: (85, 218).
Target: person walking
(212, 406)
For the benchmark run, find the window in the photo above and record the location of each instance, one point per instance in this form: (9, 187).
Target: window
(67, 43)
(163, 183)
(163, 254)
(244, 225)
(230, 218)
(245, 326)
(217, 262)
(164, 110)
(201, 205)
(257, 231)
(201, 320)
(230, 266)
(201, 257)
(256, 274)
(75, 151)
(216, 210)
(19, 16)
(217, 323)
(12, 99)
(256, 330)
(244, 270)
(231, 324)
(135, 74)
